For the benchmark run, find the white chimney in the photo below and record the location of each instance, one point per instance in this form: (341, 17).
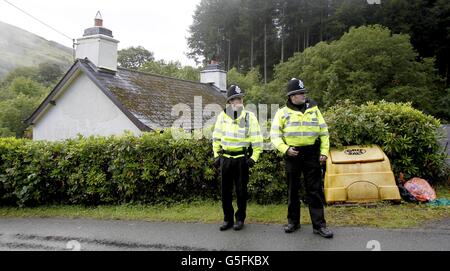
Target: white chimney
(213, 74)
(98, 45)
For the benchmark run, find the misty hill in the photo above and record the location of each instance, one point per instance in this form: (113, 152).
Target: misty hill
(22, 48)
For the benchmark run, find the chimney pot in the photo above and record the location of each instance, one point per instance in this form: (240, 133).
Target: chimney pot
(99, 46)
(213, 74)
(98, 19)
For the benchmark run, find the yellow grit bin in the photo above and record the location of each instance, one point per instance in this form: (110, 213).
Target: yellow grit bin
(359, 174)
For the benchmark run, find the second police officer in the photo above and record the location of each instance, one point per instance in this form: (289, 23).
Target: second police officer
(301, 134)
(237, 144)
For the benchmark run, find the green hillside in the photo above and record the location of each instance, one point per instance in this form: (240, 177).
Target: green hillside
(21, 48)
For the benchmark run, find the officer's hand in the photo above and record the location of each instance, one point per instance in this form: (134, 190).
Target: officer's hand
(216, 163)
(250, 162)
(292, 152)
(323, 159)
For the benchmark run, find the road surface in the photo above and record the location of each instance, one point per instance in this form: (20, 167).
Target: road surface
(87, 234)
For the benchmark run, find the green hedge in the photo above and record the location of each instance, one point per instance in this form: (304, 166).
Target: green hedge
(407, 136)
(157, 168)
(96, 170)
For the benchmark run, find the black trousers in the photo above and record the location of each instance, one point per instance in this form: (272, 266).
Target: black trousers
(234, 172)
(306, 163)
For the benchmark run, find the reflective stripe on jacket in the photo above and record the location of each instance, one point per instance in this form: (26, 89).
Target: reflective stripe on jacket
(292, 128)
(234, 135)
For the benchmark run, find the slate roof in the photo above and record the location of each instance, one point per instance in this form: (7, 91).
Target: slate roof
(146, 99)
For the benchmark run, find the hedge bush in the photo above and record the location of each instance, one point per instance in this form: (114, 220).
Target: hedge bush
(97, 170)
(157, 168)
(407, 136)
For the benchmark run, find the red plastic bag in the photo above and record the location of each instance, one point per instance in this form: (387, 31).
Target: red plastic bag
(420, 189)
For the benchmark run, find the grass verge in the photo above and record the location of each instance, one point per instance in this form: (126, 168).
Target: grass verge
(382, 215)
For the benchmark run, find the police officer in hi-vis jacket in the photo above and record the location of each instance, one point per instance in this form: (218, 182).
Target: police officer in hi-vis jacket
(301, 134)
(237, 144)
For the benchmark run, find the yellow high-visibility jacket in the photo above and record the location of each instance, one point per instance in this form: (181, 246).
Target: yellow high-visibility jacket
(234, 135)
(291, 128)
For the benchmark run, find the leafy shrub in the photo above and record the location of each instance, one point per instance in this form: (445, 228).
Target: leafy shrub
(26, 171)
(98, 170)
(407, 136)
(157, 168)
(267, 180)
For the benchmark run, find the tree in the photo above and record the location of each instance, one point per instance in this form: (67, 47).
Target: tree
(368, 63)
(134, 57)
(26, 72)
(257, 32)
(255, 92)
(171, 69)
(423, 20)
(244, 81)
(267, 32)
(49, 73)
(19, 96)
(27, 87)
(214, 33)
(5, 132)
(264, 32)
(13, 112)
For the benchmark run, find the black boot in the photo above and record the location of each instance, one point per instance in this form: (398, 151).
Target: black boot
(239, 225)
(289, 228)
(226, 225)
(324, 232)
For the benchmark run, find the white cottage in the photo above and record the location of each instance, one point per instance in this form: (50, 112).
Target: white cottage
(95, 97)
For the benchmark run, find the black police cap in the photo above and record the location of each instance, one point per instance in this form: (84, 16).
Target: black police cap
(295, 86)
(234, 92)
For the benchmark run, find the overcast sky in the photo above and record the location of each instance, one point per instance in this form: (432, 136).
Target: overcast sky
(161, 26)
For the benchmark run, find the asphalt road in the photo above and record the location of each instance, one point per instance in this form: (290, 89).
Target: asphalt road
(85, 234)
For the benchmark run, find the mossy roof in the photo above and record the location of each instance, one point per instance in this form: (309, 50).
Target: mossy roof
(147, 99)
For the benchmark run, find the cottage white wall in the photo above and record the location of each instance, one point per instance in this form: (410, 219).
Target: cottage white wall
(82, 109)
